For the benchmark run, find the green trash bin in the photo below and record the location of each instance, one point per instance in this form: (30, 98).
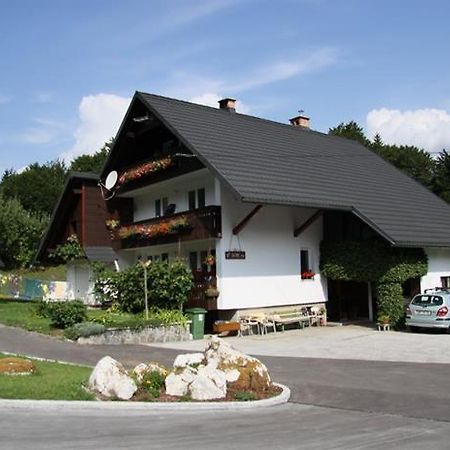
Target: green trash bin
(197, 317)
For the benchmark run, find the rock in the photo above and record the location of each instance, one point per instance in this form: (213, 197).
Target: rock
(16, 366)
(253, 374)
(110, 379)
(177, 383)
(141, 369)
(204, 376)
(188, 359)
(209, 384)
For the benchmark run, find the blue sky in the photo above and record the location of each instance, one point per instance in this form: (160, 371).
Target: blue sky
(69, 68)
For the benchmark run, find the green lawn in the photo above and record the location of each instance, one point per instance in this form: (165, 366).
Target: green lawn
(52, 381)
(22, 314)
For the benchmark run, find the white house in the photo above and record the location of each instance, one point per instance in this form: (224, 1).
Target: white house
(246, 203)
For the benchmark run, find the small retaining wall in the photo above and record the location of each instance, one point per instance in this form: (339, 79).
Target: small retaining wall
(116, 336)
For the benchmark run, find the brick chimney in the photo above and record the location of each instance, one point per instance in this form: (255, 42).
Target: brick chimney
(229, 104)
(300, 121)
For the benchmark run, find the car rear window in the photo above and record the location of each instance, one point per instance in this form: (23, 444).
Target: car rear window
(427, 300)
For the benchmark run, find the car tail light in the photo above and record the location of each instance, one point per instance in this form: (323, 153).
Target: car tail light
(408, 311)
(442, 311)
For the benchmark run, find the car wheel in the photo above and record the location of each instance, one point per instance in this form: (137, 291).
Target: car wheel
(414, 329)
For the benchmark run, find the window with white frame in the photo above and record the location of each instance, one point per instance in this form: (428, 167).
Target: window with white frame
(161, 206)
(306, 264)
(197, 198)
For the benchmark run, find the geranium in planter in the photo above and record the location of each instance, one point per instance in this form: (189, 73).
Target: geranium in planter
(308, 275)
(144, 169)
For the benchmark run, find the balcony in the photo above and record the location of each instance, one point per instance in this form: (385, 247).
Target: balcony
(202, 223)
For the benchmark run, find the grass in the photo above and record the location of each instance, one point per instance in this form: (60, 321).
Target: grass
(52, 381)
(17, 313)
(51, 273)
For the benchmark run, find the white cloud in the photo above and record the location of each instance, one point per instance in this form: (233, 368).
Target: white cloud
(283, 70)
(100, 117)
(212, 99)
(427, 128)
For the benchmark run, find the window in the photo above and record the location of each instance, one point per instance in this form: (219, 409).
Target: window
(197, 199)
(193, 260)
(161, 206)
(306, 271)
(201, 198)
(165, 257)
(165, 203)
(191, 196)
(158, 208)
(445, 282)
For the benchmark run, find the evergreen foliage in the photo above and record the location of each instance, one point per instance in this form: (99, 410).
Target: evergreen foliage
(377, 262)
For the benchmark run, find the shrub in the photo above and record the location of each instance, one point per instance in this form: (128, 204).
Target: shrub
(69, 251)
(390, 302)
(83, 329)
(66, 314)
(42, 308)
(168, 284)
(152, 382)
(244, 396)
(157, 317)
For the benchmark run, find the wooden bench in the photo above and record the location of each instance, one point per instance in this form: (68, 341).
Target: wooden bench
(283, 318)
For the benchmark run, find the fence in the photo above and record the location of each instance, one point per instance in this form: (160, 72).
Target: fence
(28, 289)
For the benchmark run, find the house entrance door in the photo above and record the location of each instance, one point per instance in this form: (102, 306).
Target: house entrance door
(348, 301)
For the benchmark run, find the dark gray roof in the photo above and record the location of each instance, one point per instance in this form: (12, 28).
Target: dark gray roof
(273, 163)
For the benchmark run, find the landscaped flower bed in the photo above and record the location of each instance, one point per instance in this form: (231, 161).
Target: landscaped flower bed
(142, 170)
(153, 230)
(220, 373)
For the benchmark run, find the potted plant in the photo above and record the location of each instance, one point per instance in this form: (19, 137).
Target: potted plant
(308, 275)
(384, 322)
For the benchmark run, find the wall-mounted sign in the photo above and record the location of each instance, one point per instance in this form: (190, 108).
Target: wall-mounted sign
(235, 254)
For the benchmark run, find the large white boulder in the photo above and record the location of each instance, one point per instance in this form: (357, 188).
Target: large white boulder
(110, 379)
(209, 384)
(188, 359)
(178, 382)
(245, 372)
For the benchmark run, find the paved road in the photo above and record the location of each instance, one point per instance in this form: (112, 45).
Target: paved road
(289, 427)
(409, 389)
(353, 405)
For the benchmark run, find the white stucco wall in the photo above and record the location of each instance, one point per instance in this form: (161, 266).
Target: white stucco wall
(270, 274)
(176, 190)
(438, 266)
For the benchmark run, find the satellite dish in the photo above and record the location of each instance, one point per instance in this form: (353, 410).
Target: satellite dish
(111, 180)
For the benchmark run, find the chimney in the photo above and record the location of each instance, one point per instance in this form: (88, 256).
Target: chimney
(228, 104)
(300, 121)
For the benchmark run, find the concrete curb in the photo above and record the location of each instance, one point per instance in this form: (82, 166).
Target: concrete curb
(77, 405)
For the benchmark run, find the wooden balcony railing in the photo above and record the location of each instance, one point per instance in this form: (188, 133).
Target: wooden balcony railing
(202, 223)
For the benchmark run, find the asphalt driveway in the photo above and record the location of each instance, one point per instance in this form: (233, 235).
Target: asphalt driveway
(363, 343)
(407, 389)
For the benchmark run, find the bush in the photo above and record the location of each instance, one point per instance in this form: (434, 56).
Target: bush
(66, 314)
(42, 309)
(152, 382)
(83, 329)
(157, 317)
(390, 302)
(169, 285)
